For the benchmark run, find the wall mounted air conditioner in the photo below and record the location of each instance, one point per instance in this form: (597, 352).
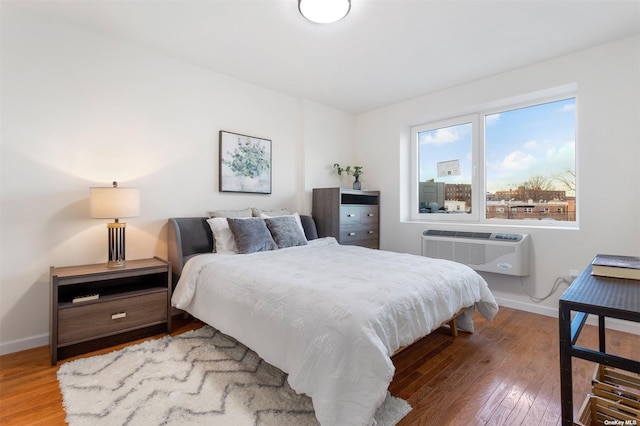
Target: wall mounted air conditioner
(499, 253)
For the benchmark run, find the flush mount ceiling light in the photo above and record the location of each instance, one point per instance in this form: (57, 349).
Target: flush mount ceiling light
(324, 11)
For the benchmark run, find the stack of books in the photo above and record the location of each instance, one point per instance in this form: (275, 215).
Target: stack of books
(608, 265)
(85, 298)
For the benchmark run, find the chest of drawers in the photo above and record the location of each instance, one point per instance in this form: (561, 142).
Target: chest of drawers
(350, 216)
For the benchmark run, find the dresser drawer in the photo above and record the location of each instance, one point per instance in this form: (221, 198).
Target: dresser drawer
(350, 215)
(369, 214)
(78, 323)
(356, 234)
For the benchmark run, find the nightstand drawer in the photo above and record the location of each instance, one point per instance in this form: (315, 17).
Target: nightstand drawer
(93, 320)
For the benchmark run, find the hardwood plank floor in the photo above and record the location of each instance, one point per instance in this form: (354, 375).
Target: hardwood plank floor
(506, 373)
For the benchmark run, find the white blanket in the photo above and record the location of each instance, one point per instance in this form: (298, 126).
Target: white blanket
(331, 315)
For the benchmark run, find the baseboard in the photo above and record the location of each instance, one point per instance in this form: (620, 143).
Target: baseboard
(24, 344)
(612, 323)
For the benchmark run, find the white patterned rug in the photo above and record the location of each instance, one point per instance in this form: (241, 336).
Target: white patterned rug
(198, 377)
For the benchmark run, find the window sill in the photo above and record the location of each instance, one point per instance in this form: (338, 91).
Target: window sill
(529, 225)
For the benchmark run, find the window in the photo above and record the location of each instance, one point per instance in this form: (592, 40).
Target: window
(445, 167)
(514, 163)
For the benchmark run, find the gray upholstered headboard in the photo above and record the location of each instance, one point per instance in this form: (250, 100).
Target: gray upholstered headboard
(192, 235)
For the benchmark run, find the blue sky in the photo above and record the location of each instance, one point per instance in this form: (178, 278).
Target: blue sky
(520, 144)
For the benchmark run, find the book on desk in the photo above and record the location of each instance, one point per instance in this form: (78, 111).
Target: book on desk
(609, 265)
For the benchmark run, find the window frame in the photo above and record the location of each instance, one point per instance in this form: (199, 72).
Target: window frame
(415, 169)
(477, 118)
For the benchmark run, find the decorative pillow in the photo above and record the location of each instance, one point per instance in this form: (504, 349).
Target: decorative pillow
(295, 216)
(276, 212)
(286, 231)
(223, 241)
(230, 213)
(251, 235)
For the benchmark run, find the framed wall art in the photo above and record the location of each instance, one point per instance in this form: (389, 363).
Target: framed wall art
(245, 163)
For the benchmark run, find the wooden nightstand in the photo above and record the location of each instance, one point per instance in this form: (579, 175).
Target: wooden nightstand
(132, 302)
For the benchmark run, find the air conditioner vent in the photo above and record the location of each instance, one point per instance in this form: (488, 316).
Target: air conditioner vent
(501, 253)
(458, 234)
(474, 235)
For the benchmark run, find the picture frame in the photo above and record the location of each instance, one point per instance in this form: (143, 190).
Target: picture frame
(244, 163)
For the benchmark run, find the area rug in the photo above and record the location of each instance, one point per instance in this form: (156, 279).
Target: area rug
(201, 377)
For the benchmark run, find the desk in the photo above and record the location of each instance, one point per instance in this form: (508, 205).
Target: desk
(602, 296)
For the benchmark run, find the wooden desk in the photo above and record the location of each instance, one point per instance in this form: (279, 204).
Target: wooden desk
(602, 296)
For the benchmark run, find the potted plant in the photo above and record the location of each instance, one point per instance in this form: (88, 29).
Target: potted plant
(354, 171)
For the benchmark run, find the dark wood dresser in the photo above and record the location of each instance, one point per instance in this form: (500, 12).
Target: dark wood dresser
(351, 216)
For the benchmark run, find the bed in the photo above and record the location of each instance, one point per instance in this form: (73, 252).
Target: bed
(329, 315)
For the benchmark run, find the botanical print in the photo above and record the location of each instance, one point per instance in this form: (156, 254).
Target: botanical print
(245, 163)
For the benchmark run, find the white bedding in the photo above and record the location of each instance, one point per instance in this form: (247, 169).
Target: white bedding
(331, 315)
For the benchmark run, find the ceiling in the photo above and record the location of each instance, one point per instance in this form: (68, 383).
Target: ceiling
(383, 52)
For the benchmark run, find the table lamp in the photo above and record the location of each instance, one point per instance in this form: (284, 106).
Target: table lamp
(115, 203)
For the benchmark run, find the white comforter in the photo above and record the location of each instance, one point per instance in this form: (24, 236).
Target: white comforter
(331, 315)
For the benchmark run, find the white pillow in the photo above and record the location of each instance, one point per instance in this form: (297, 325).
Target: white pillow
(230, 213)
(223, 237)
(272, 213)
(296, 216)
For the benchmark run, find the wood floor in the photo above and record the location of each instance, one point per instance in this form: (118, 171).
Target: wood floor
(506, 373)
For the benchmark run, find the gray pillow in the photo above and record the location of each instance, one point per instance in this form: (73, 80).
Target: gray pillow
(286, 231)
(251, 235)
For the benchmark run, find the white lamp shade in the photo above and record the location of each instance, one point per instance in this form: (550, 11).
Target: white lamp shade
(114, 203)
(324, 11)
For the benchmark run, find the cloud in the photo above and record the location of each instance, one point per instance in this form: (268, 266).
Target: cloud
(492, 119)
(517, 160)
(532, 144)
(568, 108)
(566, 151)
(569, 148)
(441, 136)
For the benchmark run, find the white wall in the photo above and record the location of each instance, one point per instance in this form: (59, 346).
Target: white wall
(608, 150)
(326, 145)
(81, 110)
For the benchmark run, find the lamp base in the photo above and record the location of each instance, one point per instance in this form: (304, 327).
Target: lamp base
(116, 244)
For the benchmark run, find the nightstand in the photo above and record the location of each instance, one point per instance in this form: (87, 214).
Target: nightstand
(94, 306)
